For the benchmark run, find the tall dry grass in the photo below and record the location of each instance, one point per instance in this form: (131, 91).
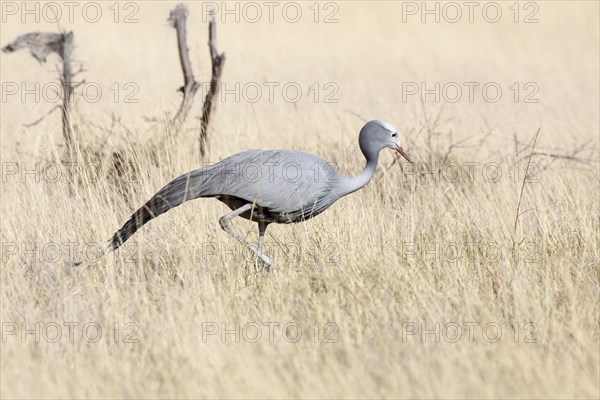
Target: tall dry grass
(380, 285)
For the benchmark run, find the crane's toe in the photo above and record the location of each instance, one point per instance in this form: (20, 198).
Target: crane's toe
(264, 261)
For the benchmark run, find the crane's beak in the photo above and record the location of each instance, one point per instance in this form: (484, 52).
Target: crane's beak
(403, 154)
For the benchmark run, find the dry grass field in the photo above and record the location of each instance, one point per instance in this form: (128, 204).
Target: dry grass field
(420, 285)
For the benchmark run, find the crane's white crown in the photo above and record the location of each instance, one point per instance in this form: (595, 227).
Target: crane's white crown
(387, 126)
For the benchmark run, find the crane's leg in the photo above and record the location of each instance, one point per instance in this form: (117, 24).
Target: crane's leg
(224, 222)
(262, 228)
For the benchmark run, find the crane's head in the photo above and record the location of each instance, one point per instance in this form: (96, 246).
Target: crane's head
(377, 135)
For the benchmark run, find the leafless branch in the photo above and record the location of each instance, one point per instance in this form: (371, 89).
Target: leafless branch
(67, 85)
(561, 156)
(573, 155)
(40, 44)
(217, 68)
(177, 18)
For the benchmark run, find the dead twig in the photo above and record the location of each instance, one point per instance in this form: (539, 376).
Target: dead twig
(177, 18)
(217, 68)
(37, 121)
(560, 156)
(356, 115)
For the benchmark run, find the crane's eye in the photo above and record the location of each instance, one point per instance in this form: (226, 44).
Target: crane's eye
(394, 134)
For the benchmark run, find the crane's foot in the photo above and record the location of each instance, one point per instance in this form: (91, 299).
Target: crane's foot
(262, 261)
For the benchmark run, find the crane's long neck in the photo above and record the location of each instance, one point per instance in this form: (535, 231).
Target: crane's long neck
(350, 185)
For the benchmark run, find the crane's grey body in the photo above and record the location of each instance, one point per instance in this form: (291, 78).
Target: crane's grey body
(266, 186)
(284, 186)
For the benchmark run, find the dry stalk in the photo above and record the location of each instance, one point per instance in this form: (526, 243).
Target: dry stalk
(525, 180)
